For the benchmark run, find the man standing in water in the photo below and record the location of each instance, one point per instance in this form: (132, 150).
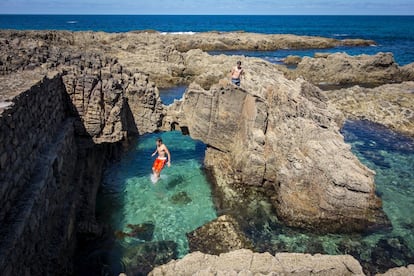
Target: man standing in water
(236, 73)
(159, 163)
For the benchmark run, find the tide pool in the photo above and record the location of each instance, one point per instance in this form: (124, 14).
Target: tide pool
(149, 218)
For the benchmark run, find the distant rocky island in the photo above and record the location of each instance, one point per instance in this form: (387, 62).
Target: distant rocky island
(70, 101)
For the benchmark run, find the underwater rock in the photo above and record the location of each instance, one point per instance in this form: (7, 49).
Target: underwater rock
(218, 236)
(391, 252)
(142, 258)
(181, 198)
(245, 262)
(143, 231)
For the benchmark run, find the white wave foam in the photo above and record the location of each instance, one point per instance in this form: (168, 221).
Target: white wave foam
(178, 33)
(72, 22)
(340, 34)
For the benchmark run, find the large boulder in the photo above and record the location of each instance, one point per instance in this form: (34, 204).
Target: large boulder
(343, 69)
(245, 262)
(280, 135)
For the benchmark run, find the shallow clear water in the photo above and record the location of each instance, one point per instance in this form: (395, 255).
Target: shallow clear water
(177, 204)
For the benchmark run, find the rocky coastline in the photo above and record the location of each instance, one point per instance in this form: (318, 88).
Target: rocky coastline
(91, 91)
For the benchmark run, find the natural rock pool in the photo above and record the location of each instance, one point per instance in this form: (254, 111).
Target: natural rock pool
(149, 218)
(148, 223)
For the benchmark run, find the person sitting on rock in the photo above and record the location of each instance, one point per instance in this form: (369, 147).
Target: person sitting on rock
(236, 73)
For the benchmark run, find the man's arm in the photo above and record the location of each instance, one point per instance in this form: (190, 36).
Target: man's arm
(168, 155)
(154, 152)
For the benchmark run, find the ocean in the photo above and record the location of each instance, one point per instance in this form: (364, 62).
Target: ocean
(392, 33)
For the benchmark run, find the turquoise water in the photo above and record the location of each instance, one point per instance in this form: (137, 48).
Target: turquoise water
(147, 217)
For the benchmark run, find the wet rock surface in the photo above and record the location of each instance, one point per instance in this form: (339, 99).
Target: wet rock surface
(219, 236)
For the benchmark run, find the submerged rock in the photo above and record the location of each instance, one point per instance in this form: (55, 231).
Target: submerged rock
(144, 231)
(142, 258)
(245, 262)
(181, 198)
(218, 236)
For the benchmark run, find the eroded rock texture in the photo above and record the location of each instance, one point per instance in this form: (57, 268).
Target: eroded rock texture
(281, 135)
(245, 262)
(342, 69)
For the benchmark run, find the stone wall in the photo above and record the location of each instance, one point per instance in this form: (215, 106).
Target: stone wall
(33, 118)
(37, 194)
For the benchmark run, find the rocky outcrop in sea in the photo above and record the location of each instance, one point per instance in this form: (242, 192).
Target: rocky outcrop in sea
(70, 100)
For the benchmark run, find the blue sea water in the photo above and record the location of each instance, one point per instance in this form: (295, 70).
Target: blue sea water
(392, 33)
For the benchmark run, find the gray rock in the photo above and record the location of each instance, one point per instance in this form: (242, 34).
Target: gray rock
(342, 69)
(399, 271)
(245, 262)
(280, 135)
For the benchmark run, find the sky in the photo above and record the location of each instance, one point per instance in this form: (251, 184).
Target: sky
(270, 7)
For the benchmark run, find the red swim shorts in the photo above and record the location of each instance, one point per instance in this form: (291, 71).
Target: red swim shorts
(159, 164)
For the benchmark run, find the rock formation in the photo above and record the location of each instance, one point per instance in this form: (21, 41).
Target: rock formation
(391, 105)
(399, 271)
(245, 262)
(219, 236)
(342, 69)
(282, 136)
(274, 134)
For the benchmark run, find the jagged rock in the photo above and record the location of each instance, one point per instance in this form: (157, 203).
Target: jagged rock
(391, 105)
(281, 135)
(245, 262)
(342, 69)
(218, 236)
(399, 271)
(292, 60)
